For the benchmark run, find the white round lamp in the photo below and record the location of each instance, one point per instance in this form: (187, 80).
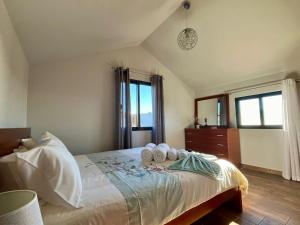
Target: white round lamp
(20, 207)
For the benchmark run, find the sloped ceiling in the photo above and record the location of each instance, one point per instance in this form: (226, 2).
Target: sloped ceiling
(238, 40)
(60, 29)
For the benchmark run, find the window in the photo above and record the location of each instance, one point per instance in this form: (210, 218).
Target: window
(259, 111)
(141, 105)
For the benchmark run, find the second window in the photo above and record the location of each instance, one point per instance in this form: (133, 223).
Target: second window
(259, 111)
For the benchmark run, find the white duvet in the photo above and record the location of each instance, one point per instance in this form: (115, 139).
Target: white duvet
(103, 203)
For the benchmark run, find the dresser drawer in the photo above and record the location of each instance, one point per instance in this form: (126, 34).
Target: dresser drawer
(206, 140)
(208, 148)
(221, 142)
(219, 154)
(207, 130)
(214, 148)
(205, 133)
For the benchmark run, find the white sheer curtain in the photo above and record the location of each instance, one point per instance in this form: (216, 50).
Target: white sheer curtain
(291, 130)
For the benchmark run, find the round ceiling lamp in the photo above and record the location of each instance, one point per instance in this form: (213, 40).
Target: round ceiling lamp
(187, 38)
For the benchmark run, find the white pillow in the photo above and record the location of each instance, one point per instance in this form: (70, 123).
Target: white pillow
(49, 139)
(52, 172)
(29, 143)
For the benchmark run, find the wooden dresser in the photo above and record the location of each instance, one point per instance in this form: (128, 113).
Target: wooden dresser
(222, 142)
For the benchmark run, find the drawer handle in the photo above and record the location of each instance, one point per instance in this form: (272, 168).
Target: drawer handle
(220, 145)
(189, 141)
(188, 133)
(220, 154)
(220, 135)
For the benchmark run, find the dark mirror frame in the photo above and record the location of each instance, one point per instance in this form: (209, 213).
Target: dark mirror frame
(211, 97)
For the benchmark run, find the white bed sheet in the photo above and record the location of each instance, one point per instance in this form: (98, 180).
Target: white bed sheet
(104, 204)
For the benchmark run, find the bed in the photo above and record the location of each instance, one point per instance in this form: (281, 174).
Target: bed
(119, 189)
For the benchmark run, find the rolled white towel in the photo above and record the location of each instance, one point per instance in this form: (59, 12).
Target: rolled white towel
(147, 154)
(150, 145)
(172, 154)
(182, 153)
(160, 154)
(164, 145)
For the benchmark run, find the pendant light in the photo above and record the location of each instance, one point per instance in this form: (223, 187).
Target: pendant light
(187, 38)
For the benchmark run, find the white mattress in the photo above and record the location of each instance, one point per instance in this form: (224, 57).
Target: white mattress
(103, 203)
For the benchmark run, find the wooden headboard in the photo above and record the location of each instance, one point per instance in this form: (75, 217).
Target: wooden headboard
(10, 139)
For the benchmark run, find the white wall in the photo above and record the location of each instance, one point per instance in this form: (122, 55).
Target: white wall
(259, 147)
(141, 138)
(13, 75)
(75, 99)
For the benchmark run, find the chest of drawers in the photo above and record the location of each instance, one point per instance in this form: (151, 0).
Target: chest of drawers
(221, 142)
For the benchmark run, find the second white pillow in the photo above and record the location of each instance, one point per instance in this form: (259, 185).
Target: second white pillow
(52, 172)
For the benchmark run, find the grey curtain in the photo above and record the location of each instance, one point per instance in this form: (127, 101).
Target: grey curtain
(158, 129)
(122, 108)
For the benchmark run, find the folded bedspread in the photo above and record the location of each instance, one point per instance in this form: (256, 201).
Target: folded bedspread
(118, 188)
(196, 163)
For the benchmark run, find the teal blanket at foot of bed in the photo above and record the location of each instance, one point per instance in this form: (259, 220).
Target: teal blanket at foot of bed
(196, 163)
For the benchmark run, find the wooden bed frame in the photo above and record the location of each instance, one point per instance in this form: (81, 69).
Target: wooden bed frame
(10, 139)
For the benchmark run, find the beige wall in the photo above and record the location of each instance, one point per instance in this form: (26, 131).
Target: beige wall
(141, 138)
(259, 147)
(75, 99)
(13, 75)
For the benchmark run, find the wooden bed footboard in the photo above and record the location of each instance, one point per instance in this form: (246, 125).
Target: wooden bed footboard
(232, 197)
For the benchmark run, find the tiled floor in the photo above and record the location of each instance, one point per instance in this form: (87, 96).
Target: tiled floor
(271, 201)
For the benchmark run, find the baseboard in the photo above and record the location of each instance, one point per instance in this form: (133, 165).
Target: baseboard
(261, 169)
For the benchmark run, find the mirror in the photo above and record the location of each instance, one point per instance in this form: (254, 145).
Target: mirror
(212, 111)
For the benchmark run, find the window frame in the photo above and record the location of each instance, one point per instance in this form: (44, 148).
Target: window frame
(261, 111)
(138, 83)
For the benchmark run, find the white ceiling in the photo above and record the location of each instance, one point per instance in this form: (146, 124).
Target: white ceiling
(238, 40)
(60, 29)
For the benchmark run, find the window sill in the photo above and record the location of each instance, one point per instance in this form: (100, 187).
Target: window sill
(260, 127)
(141, 128)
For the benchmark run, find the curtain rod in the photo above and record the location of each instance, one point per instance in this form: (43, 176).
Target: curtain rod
(254, 86)
(133, 70)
